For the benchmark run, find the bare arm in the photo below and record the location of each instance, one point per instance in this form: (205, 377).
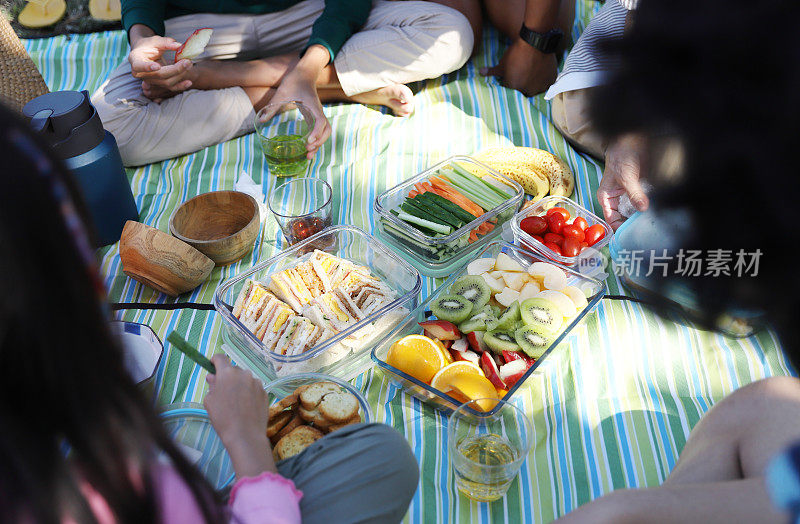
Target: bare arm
(523, 67)
(742, 500)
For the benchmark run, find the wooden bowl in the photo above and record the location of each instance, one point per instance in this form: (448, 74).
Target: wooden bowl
(221, 224)
(161, 261)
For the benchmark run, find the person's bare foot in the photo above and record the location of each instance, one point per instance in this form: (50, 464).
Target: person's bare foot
(396, 97)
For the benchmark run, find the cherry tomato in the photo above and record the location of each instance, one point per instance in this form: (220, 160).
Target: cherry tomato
(553, 247)
(561, 211)
(570, 247)
(584, 245)
(553, 238)
(539, 238)
(581, 223)
(533, 225)
(555, 222)
(594, 234)
(574, 232)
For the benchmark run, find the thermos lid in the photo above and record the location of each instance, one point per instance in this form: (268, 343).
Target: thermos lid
(68, 120)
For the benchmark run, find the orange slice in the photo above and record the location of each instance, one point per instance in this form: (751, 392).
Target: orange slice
(466, 379)
(448, 358)
(418, 356)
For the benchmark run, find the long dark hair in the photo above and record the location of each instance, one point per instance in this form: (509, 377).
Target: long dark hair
(722, 78)
(62, 381)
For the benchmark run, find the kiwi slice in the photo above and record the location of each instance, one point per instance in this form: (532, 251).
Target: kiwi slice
(507, 320)
(500, 340)
(531, 341)
(474, 288)
(453, 308)
(541, 314)
(477, 322)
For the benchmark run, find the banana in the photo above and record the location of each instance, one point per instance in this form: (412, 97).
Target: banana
(536, 170)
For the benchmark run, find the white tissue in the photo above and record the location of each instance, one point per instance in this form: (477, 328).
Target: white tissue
(246, 184)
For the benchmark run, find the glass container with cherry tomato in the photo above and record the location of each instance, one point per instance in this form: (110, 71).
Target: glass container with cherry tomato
(560, 229)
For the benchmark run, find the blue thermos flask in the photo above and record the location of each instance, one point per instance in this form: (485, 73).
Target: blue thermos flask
(70, 123)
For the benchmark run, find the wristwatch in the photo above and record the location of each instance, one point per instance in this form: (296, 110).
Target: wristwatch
(544, 42)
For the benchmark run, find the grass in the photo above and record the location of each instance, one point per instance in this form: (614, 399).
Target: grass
(76, 20)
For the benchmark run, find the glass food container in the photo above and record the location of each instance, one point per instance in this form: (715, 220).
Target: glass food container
(594, 290)
(338, 356)
(586, 261)
(441, 254)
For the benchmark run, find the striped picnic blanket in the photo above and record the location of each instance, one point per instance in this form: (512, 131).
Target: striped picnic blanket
(611, 409)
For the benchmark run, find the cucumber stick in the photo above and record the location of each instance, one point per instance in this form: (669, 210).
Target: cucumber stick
(412, 209)
(433, 226)
(434, 210)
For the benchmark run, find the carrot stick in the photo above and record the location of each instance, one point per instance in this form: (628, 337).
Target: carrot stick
(413, 193)
(419, 187)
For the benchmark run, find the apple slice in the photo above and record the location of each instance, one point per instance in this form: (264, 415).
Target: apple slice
(515, 280)
(475, 339)
(194, 45)
(529, 290)
(492, 373)
(495, 285)
(507, 297)
(512, 371)
(480, 266)
(506, 263)
(510, 356)
(466, 356)
(441, 329)
(461, 344)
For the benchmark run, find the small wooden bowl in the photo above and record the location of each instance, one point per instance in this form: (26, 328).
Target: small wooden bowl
(160, 261)
(221, 224)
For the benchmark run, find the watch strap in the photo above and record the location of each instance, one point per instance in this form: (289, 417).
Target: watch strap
(545, 42)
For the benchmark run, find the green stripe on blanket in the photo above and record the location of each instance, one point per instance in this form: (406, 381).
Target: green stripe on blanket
(611, 409)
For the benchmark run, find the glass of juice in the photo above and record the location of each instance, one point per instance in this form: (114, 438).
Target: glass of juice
(283, 130)
(302, 207)
(487, 449)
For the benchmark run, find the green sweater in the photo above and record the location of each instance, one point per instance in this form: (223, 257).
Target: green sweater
(338, 21)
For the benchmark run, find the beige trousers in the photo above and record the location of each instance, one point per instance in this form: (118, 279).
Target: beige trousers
(401, 42)
(571, 115)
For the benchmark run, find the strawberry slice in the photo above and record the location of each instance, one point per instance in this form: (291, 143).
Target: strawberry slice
(194, 45)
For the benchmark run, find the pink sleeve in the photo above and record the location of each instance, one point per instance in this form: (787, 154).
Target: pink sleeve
(267, 498)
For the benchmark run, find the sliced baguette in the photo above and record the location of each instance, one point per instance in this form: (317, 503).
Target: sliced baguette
(356, 419)
(338, 407)
(296, 441)
(278, 422)
(294, 423)
(311, 397)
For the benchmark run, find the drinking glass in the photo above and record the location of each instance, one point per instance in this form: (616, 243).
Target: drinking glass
(487, 449)
(283, 130)
(302, 207)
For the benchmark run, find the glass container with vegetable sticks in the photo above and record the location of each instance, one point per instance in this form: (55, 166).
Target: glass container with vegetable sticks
(440, 216)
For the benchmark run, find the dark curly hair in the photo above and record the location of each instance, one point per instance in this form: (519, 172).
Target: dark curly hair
(723, 78)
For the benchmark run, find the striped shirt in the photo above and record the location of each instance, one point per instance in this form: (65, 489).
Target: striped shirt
(586, 66)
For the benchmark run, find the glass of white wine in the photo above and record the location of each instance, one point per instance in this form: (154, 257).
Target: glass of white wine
(488, 448)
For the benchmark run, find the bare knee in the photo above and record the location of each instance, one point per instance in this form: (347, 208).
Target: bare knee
(767, 391)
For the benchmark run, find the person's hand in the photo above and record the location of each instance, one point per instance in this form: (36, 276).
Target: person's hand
(237, 406)
(525, 69)
(236, 402)
(300, 84)
(159, 79)
(621, 176)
